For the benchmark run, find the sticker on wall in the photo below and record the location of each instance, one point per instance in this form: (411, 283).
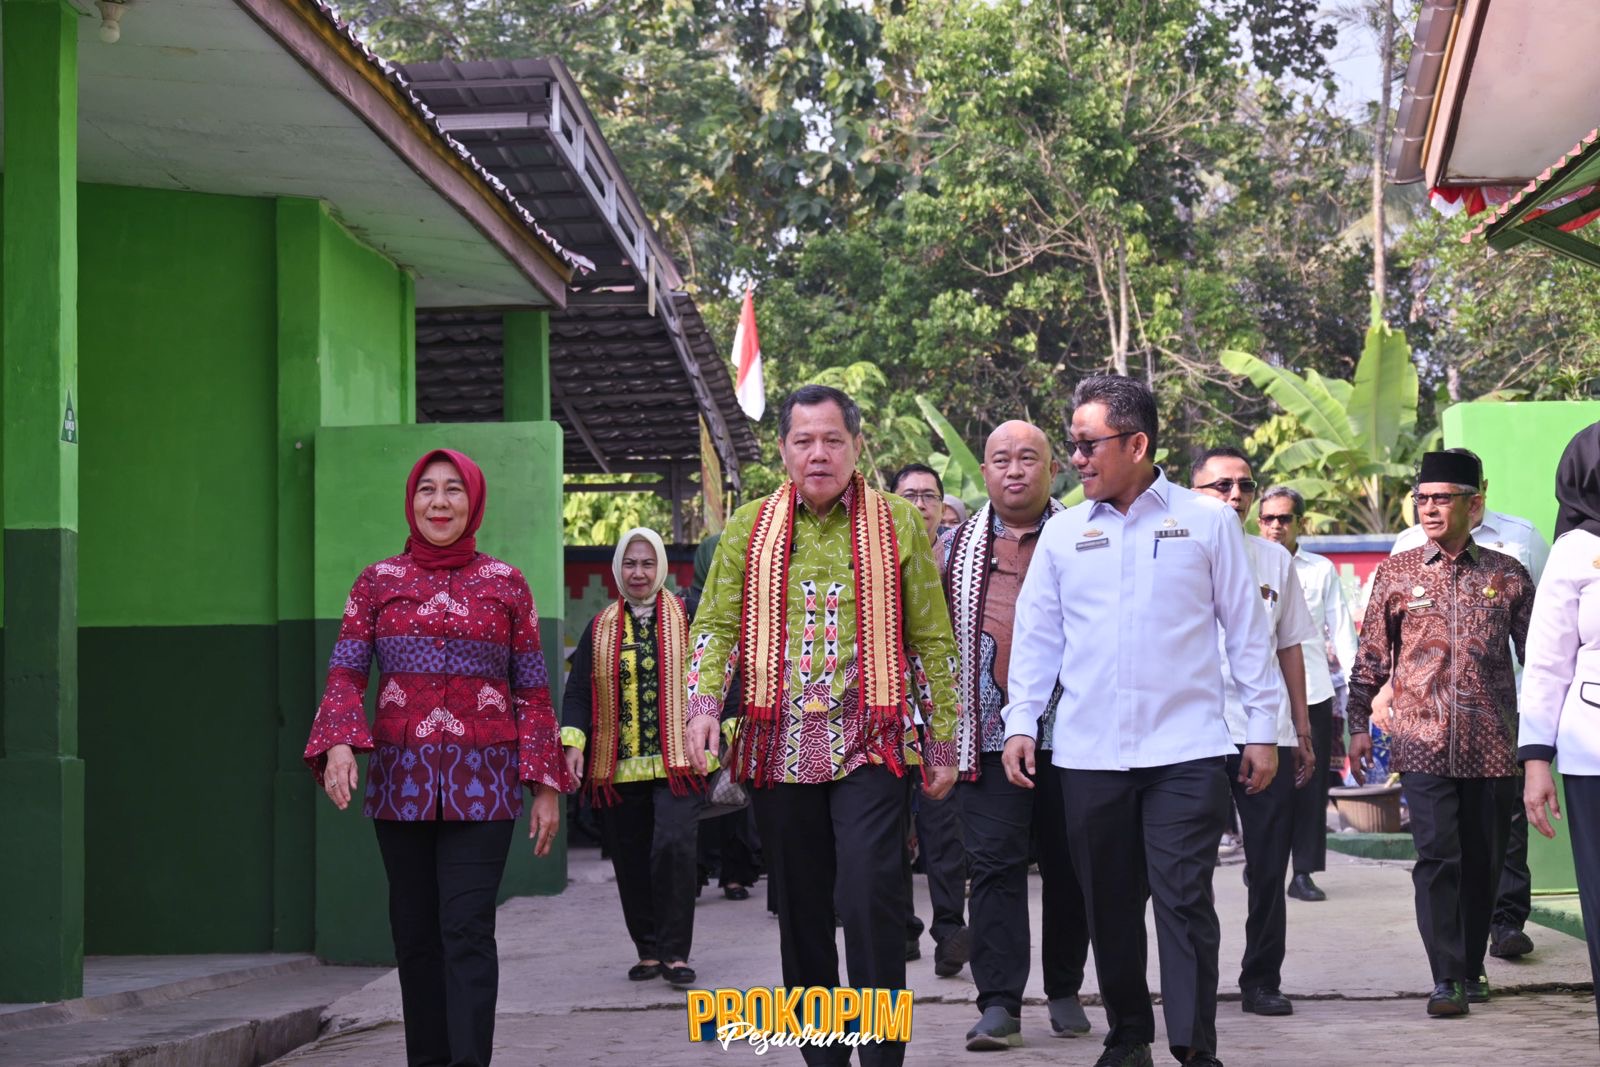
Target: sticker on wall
(69, 424)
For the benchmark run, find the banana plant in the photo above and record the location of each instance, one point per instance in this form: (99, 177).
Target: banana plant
(959, 469)
(1357, 443)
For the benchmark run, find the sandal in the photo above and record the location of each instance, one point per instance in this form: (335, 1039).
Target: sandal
(643, 972)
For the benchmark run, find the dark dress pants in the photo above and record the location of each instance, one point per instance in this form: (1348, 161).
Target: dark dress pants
(726, 847)
(1311, 800)
(1583, 822)
(944, 859)
(443, 877)
(651, 836)
(1267, 822)
(1000, 820)
(1515, 901)
(848, 833)
(1459, 826)
(1151, 833)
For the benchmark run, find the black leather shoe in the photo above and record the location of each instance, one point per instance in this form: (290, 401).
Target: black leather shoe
(736, 892)
(1125, 1056)
(1449, 998)
(679, 976)
(643, 972)
(1203, 1059)
(950, 955)
(1265, 1002)
(1509, 942)
(913, 949)
(1478, 989)
(1303, 888)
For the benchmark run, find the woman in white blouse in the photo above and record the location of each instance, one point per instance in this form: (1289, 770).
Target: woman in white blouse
(1560, 702)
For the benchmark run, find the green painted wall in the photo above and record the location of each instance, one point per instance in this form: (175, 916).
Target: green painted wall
(364, 365)
(1520, 445)
(179, 357)
(360, 499)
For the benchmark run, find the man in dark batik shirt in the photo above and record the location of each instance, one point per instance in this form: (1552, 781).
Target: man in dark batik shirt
(1445, 615)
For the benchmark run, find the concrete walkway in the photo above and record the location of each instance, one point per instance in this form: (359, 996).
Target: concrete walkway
(1355, 967)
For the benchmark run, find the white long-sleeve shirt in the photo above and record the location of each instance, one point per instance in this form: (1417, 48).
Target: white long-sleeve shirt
(1123, 610)
(1330, 613)
(1560, 700)
(1289, 623)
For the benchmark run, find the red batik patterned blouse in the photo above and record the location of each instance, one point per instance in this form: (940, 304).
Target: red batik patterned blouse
(464, 715)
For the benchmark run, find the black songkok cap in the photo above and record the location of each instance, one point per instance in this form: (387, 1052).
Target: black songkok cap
(1453, 467)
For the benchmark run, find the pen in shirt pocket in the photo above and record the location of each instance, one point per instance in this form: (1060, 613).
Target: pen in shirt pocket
(1154, 551)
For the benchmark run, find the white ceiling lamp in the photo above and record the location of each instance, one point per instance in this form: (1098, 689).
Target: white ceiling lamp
(111, 19)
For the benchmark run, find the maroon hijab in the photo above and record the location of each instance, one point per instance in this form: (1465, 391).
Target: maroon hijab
(460, 553)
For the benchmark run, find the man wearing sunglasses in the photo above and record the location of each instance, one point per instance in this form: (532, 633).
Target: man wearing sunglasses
(1281, 513)
(1522, 541)
(1121, 605)
(1443, 619)
(1267, 816)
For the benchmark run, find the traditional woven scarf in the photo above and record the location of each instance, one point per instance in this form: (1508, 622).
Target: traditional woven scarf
(966, 587)
(881, 662)
(672, 640)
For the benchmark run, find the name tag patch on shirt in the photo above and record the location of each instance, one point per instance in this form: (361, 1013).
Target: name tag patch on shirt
(1092, 539)
(1180, 531)
(1424, 602)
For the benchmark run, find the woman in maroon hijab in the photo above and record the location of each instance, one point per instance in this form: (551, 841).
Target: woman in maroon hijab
(464, 720)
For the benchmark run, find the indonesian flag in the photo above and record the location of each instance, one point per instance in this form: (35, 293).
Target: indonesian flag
(750, 387)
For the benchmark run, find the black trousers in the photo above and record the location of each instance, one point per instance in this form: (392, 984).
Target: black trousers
(1267, 821)
(1311, 801)
(944, 859)
(1149, 833)
(651, 837)
(1001, 821)
(1459, 826)
(1583, 822)
(1515, 901)
(443, 877)
(839, 845)
(727, 847)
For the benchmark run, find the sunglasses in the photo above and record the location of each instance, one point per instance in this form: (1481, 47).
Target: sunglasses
(1438, 500)
(1225, 485)
(1278, 520)
(1085, 448)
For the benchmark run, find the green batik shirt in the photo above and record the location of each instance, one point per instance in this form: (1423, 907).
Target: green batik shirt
(821, 694)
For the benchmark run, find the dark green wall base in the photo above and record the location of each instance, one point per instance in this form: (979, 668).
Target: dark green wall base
(41, 880)
(179, 735)
(41, 659)
(1374, 846)
(295, 794)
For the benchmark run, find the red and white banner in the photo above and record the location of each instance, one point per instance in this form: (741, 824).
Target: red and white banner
(749, 387)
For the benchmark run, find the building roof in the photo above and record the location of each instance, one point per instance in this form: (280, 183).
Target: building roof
(1495, 90)
(1562, 199)
(633, 367)
(274, 98)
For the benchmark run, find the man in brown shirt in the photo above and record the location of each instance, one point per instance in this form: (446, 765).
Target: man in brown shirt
(1445, 616)
(987, 558)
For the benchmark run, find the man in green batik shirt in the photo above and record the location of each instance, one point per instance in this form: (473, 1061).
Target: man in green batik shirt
(836, 812)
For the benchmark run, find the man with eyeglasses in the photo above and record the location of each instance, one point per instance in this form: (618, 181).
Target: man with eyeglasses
(938, 822)
(1121, 605)
(1267, 816)
(989, 557)
(1522, 541)
(1281, 512)
(1442, 620)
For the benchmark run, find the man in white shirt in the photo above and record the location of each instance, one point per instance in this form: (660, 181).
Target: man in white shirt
(1522, 541)
(1281, 513)
(1121, 605)
(1267, 817)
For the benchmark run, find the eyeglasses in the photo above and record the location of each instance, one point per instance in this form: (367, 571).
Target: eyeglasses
(1438, 500)
(1085, 448)
(1225, 485)
(924, 496)
(1279, 520)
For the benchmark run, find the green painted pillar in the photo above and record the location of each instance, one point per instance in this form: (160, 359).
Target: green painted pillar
(41, 778)
(526, 357)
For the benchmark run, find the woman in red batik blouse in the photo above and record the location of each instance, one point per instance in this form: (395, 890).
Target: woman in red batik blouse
(464, 719)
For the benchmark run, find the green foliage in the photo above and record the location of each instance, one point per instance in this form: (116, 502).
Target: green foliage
(1348, 448)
